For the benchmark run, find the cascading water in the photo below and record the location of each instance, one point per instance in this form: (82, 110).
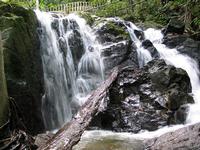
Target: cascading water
(67, 81)
(144, 56)
(172, 57)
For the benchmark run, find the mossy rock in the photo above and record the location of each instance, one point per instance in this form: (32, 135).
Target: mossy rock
(23, 66)
(115, 31)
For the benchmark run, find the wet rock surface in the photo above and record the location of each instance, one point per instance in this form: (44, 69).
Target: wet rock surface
(118, 48)
(147, 44)
(112, 32)
(186, 138)
(145, 99)
(120, 53)
(23, 63)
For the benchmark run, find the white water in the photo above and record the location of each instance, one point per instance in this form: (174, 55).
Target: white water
(144, 56)
(172, 57)
(56, 101)
(67, 85)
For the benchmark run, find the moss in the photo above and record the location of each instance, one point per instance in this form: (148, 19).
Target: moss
(117, 30)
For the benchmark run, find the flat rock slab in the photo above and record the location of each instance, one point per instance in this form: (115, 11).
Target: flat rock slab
(186, 138)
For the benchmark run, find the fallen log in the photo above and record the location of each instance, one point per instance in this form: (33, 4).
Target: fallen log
(70, 134)
(186, 138)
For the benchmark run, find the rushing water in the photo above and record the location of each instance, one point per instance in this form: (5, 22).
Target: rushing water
(172, 57)
(67, 81)
(126, 141)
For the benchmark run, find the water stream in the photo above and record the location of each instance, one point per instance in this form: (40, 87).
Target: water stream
(69, 81)
(129, 141)
(71, 72)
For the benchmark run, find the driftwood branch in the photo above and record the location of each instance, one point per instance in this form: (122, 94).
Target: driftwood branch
(71, 133)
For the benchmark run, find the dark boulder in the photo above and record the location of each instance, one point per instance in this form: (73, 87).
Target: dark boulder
(175, 26)
(172, 41)
(112, 32)
(118, 48)
(140, 100)
(23, 66)
(147, 44)
(139, 34)
(120, 53)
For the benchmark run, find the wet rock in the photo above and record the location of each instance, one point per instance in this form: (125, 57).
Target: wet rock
(75, 41)
(172, 41)
(112, 32)
(116, 54)
(175, 26)
(139, 34)
(76, 45)
(147, 44)
(23, 66)
(181, 114)
(146, 99)
(184, 138)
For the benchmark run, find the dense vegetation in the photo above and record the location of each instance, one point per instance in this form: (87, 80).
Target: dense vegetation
(151, 12)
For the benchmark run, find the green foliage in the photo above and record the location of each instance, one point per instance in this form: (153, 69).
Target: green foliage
(138, 10)
(116, 8)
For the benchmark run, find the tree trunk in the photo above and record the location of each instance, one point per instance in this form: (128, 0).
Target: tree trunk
(3, 89)
(71, 133)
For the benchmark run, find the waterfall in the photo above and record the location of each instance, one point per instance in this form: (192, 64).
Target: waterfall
(144, 56)
(172, 57)
(72, 65)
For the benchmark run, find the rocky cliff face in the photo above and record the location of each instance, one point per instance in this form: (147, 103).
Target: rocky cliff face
(146, 99)
(23, 63)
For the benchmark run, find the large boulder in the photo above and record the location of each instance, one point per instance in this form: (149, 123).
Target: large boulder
(23, 66)
(147, 44)
(112, 31)
(175, 26)
(120, 53)
(145, 99)
(118, 48)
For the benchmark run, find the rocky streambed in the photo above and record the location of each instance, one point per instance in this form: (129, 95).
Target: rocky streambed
(149, 93)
